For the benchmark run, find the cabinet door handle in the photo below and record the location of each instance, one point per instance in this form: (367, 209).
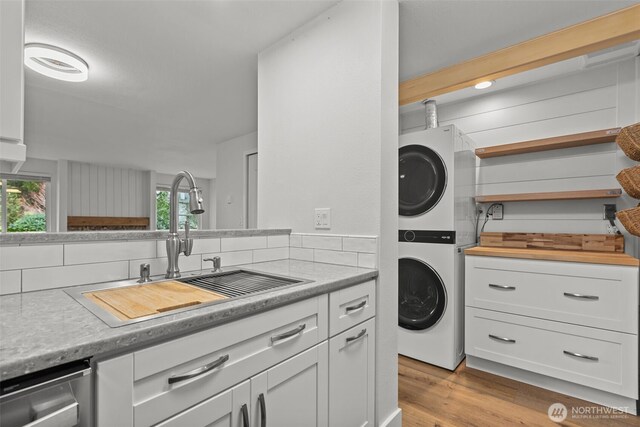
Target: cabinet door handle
(353, 308)
(263, 410)
(581, 296)
(288, 334)
(357, 337)
(503, 339)
(245, 415)
(197, 372)
(502, 287)
(581, 356)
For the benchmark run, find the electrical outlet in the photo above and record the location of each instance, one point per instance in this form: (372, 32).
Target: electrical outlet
(497, 211)
(609, 212)
(322, 218)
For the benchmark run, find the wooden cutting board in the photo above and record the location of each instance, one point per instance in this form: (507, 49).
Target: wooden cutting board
(132, 302)
(572, 242)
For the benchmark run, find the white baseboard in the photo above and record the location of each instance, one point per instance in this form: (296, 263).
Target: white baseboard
(571, 389)
(393, 420)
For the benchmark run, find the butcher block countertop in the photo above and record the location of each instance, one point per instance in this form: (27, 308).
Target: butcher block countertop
(556, 255)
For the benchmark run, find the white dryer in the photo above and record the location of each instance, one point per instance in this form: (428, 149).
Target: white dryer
(437, 182)
(437, 221)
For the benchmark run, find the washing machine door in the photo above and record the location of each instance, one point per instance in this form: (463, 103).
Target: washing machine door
(422, 297)
(423, 179)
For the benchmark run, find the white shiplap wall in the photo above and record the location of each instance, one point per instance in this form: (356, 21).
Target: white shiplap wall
(592, 99)
(97, 190)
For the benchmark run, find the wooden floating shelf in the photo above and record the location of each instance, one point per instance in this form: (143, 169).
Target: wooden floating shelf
(556, 195)
(547, 144)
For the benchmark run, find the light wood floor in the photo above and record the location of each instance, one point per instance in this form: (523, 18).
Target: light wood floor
(430, 396)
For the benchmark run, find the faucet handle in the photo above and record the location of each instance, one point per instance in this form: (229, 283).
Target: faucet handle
(187, 243)
(216, 263)
(145, 272)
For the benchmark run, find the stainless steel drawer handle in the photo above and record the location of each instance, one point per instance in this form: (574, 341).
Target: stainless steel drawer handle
(245, 415)
(197, 372)
(361, 334)
(288, 334)
(509, 340)
(353, 308)
(581, 356)
(581, 296)
(502, 287)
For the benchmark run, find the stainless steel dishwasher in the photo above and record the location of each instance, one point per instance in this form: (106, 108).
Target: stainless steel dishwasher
(59, 396)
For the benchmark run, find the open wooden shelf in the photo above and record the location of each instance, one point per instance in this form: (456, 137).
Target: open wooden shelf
(555, 143)
(556, 195)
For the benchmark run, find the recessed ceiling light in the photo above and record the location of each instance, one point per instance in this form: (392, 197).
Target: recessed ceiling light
(483, 85)
(55, 62)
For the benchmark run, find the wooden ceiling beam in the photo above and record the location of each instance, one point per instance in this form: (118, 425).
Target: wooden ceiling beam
(590, 36)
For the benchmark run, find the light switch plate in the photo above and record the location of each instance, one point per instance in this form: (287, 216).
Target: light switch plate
(322, 218)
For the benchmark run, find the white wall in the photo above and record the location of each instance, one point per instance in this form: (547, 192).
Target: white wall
(591, 99)
(230, 180)
(327, 137)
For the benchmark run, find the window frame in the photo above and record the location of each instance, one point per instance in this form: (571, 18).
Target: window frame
(4, 177)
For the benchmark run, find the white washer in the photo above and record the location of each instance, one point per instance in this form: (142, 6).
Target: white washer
(437, 220)
(437, 182)
(431, 303)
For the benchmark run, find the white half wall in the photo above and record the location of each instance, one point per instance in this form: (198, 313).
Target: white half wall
(328, 138)
(230, 180)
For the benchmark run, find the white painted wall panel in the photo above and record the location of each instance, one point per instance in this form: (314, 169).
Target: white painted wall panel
(97, 190)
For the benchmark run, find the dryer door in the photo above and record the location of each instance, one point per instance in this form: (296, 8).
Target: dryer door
(423, 179)
(422, 297)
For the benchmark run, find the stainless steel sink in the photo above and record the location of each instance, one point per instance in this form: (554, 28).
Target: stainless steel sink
(233, 284)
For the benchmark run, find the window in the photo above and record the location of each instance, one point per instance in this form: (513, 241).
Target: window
(162, 210)
(23, 204)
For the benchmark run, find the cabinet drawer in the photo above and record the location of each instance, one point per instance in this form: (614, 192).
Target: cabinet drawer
(604, 360)
(350, 306)
(601, 296)
(173, 376)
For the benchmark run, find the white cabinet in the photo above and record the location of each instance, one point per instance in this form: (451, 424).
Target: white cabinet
(293, 393)
(276, 363)
(351, 377)
(571, 327)
(227, 409)
(12, 81)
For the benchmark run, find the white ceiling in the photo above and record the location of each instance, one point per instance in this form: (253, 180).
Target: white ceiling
(171, 79)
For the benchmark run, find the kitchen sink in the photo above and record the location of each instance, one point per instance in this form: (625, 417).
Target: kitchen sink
(126, 302)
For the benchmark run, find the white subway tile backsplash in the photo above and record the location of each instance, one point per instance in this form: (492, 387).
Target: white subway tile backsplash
(335, 257)
(200, 246)
(158, 266)
(367, 260)
(32, 256)
(231, 258)
(36, 279)
(302, 254)
(228, 244)
(322, 242)
(10, 282)
(279, 241)
(86, 253)
(272, 254)
(359, 244)
(295, 240)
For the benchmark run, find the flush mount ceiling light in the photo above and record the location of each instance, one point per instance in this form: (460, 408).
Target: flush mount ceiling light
(55, 62)
(483, 85)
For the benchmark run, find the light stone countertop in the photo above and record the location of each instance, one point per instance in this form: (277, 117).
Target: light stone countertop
(98, 236)
(43, 329)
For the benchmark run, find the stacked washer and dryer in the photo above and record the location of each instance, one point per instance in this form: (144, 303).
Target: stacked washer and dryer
(437, 221)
